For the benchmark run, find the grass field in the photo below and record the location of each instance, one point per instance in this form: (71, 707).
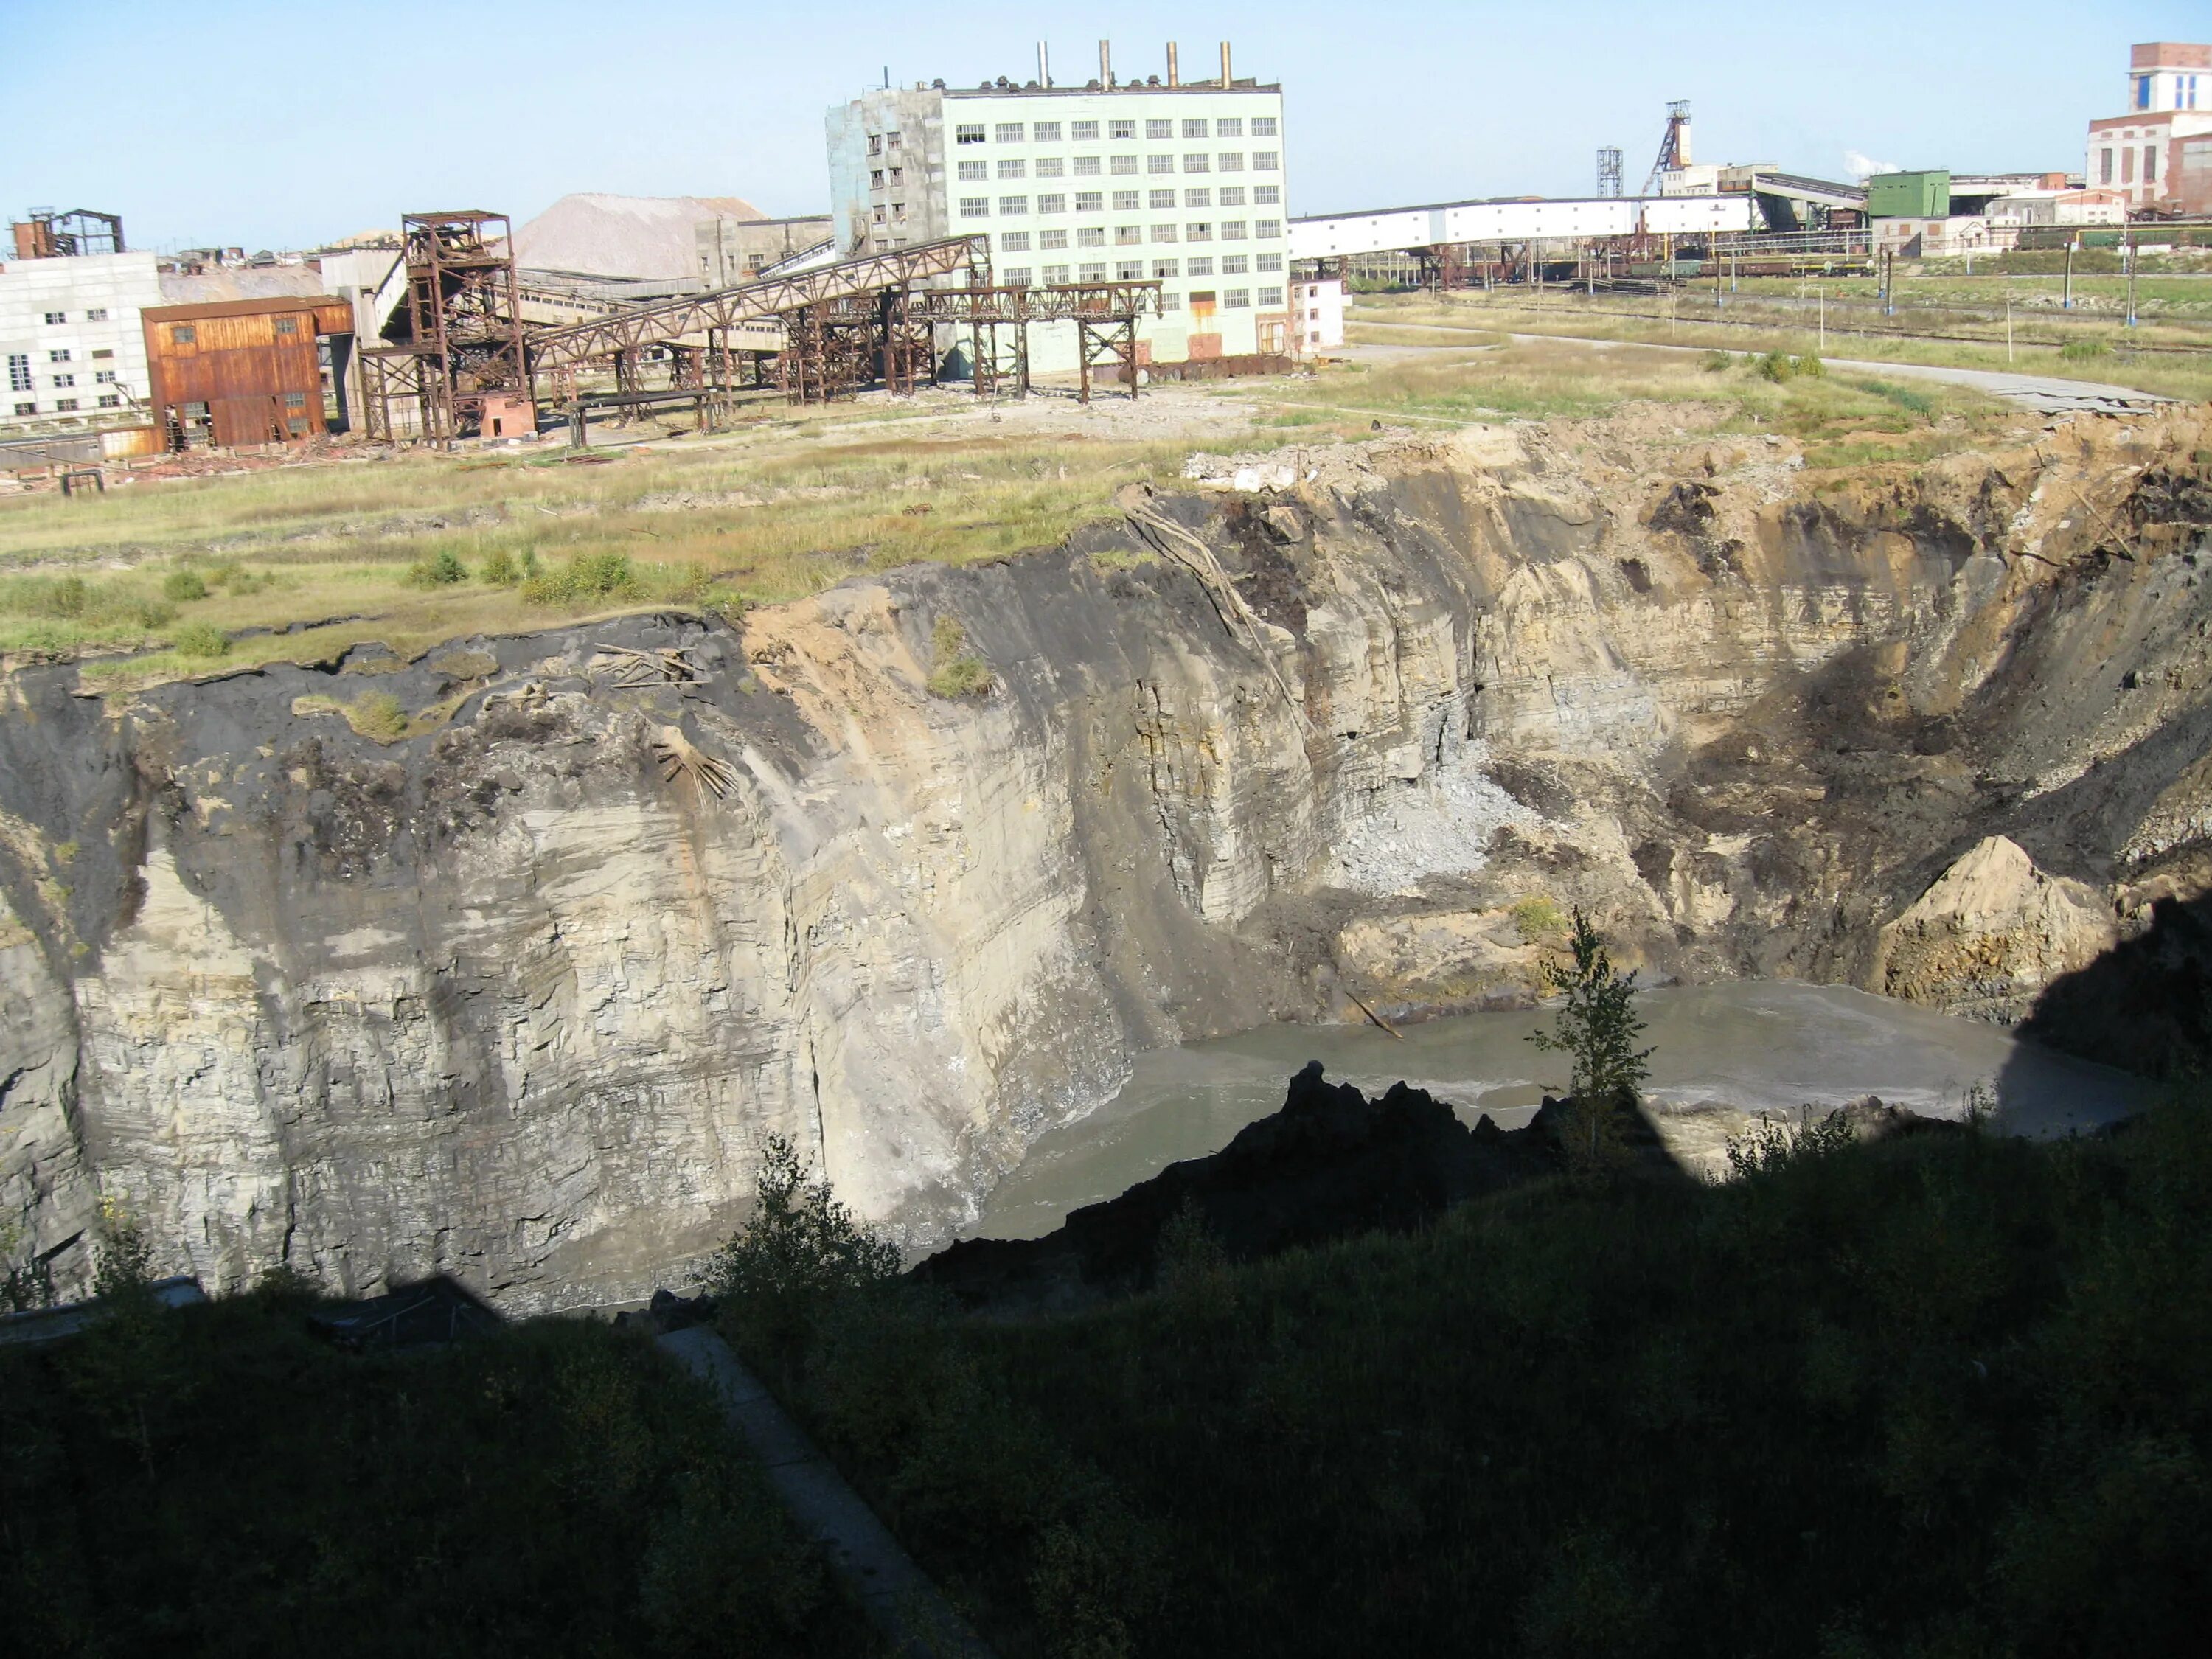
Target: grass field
(1794, 329)
(159, 580)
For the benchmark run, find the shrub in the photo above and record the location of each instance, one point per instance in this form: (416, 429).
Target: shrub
(1777, 367)
(802, 1250)
(955, 671)
(2083, 352)
(1809, 367)
(1536, 918)
(440, 569)
(1718, 362)
(377, 714)
(499, 568)
(587, 576)
(198, 640)
(183, 587)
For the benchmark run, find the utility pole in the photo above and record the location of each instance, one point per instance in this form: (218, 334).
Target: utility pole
(1823, 291)
(2007, 328)
(2131, 273)
(2066, 300)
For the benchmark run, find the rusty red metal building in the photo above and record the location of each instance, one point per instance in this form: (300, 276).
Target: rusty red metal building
(240, 372)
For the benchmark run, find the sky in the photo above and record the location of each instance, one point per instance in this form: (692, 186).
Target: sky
(279, 125)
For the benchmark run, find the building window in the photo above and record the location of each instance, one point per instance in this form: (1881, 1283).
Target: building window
(1050, 167)
(898, 177)
(1055, 275)
(296, 427)
(1159, 164)
(1127, 236)
(1159, 129)
(974, 207)
(65, 406)
(61, 356)
(1194, 127)
(875, 143)
(1229, 126)
(1090, 236)
(1271, 296)
(876, 179)
(57, 317)
(1052, 204)
(1128, 272)
(2150, 164)
(1125, 201)
(1195, 162)
(99, 314)
(1267, 161)
(1267, 195)
(64, 379)
(1233, 230)
(1017, 277)
(1264, 126)
(881, 219)
(1091, 201)
(1171, 303)
(1198, 198)
(1163, 233)
(1094, 273)
(1200, 232)
(288, 325)
(1269, 261)
(1121, 128)
(103, 377)
(2105, 167)
(1014, 241)
(1050, 240)
(1232, 160)
(968, 133)
(1235, 265)
(2128, 165)
(1083, 132)
(1232, 196)
(1160, 200)
(1236, 299)
(1087, 166)
(27, 409)
(1010, 132)
(295, 400)
(974, 171)
(1164, 271)
(19, 373)
(183, 334)
(102, 355)
(1014, 207)
(1013, 169)
(1267, 229)
(1202, 296)
(1124, 166)
(1044, 132)
(1198, 268)
(2142, 92)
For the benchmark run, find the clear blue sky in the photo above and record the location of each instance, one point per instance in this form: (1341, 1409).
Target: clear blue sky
(282, 125)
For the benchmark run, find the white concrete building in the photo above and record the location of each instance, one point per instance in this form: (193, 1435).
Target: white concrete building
(1317, 315)
(1113, 181)
(71, 342)
(2169, 100)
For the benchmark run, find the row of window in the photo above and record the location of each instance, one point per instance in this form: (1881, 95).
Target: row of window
(1084, 132)
(1230, 265)
(1234, 299)
(1197, 196)
(2127, 158)
(71, 405)
(1192, 230)
(1162, 163)
(55, 319)
(19, 370)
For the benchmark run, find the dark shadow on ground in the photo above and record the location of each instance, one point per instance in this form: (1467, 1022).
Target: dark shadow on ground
(2144, 1005)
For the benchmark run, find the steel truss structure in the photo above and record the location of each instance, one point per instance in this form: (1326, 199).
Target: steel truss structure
(465, 330)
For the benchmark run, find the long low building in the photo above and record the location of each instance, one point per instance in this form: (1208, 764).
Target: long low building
(1445, 224)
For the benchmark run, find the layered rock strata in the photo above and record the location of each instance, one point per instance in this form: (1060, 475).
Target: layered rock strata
(517, 998)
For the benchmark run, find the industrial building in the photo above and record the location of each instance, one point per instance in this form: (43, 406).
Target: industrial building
(69, 334)
(734, 250)
(239, 372)
(1115, 180)
(2169, 101)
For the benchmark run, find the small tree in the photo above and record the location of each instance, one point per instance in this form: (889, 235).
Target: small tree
(802, 1248)
(1598, 1028)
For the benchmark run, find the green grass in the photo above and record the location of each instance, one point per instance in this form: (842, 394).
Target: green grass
(1943, 1396)
(217, 1482)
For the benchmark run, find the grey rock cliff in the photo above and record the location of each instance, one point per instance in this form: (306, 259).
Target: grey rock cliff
(507, 999)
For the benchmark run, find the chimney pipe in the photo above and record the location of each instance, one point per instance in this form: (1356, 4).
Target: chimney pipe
(1044, 65)
(1175, 79)
(1225, 82)
(1106, 65)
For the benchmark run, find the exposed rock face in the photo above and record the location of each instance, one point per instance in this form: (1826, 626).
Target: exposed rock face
(502, 999)
(1990, 934)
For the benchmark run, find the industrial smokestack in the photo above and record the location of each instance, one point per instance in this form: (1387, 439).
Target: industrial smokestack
(1175, 77)
(1225, 82)
(1044, 65)
(1106, 64)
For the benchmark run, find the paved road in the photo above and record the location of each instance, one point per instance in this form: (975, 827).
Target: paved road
(2045, 394)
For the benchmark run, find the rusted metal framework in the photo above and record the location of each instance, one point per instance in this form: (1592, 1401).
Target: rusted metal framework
(464, 325)
(47, 234)
(1105, 315)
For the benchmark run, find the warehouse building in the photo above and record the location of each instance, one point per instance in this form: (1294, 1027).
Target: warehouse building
(2141, 153)
(240, 372)
(1116, 180)
(68, 334)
